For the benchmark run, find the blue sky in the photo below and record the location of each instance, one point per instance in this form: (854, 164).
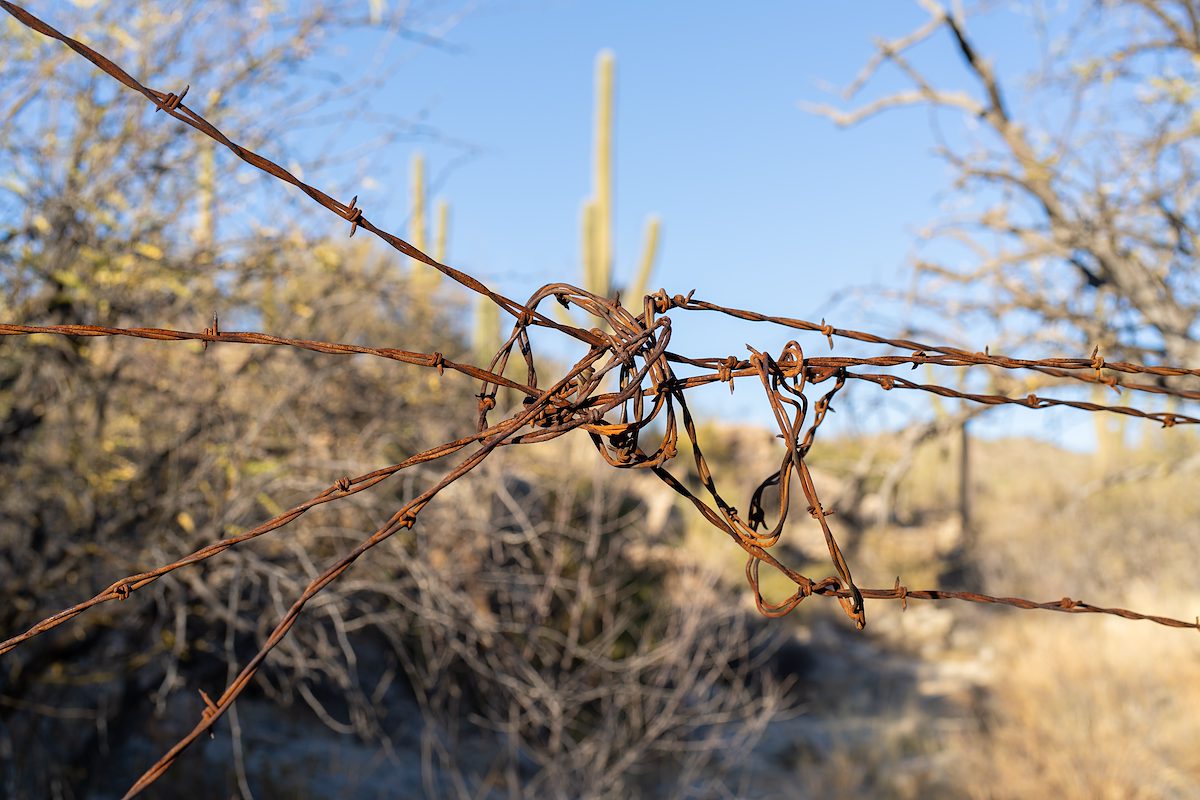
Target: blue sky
(764, 205)
(709, 134)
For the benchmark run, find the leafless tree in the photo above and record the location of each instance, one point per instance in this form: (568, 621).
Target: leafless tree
(607, 664)
(1079, 218)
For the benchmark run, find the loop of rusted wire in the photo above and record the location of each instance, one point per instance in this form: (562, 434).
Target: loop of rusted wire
(827, 331)
(212, 332)
(663, 302)
(210, 708)
(725, 371)
(170, 101)
(353, 215)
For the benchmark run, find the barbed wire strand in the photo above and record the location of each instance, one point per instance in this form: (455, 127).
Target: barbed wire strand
(723, 373)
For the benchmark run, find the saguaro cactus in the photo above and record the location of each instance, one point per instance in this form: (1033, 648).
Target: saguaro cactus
(440, 232)
(601, 203)
(596, 223)
(416, 217)
(485, 339)
(597, 214)
(424, 279)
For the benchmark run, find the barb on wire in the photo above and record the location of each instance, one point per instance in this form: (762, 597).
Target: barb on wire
(623, 390)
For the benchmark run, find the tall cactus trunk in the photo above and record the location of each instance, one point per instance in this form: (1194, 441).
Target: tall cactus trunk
(441, 232)
(597, 214)
(602, 177)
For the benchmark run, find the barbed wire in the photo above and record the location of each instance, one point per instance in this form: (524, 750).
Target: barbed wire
(633, 348)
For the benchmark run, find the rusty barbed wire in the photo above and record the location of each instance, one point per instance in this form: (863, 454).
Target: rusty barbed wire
(728, 370)
(732, 366)
(433, 360)
(1093, 362)
(648, 397)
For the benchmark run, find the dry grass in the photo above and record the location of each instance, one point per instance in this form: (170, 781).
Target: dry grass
(1094, 710)
(1005, 703)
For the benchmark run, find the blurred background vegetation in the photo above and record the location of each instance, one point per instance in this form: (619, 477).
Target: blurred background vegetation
(538, 635)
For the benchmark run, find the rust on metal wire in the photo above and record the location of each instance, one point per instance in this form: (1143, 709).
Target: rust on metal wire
(623, 389)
